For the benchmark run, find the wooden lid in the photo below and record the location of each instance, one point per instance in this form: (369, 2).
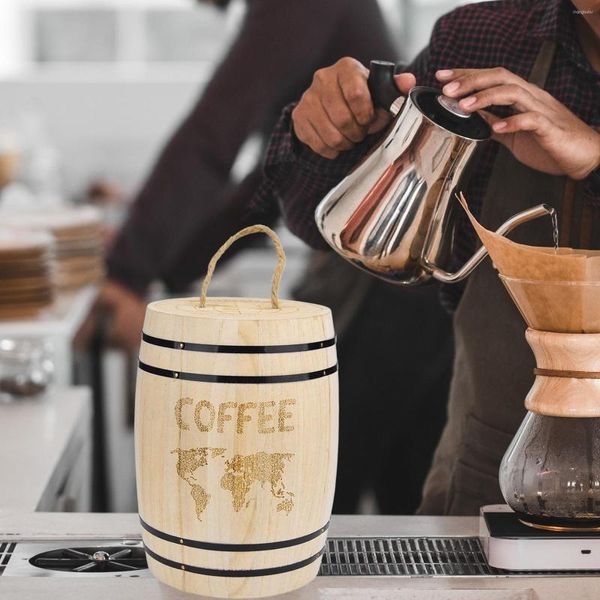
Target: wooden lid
(238, 321)
(238, 309)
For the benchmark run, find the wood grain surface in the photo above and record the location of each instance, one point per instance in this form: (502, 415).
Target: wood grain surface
(564, 353)
(222, 463)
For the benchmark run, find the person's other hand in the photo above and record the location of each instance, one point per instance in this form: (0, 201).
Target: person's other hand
(126, 312)
(542, 134)
(336, 111)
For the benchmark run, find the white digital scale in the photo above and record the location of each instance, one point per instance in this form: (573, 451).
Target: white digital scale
(509, 544)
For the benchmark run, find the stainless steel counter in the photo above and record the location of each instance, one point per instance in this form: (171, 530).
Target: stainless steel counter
(57, 526)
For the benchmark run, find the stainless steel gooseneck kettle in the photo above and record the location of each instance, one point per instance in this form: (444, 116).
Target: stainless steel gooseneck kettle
(394, 215)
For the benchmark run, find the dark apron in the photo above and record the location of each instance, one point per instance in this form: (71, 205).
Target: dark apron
(493, 368)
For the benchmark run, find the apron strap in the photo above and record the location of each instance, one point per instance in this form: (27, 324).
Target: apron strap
(582, 235)
(543, 63)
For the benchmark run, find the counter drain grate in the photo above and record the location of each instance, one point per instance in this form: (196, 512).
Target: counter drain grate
(6, 551)
(416, 557)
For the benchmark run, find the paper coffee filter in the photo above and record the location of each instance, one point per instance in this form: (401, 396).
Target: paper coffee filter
(534, 262)
(554, 290)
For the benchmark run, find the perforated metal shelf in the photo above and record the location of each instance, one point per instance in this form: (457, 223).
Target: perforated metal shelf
(6, 550)
(416, 557)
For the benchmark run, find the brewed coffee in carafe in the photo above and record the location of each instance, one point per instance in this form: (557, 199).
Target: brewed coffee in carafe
(550, 475)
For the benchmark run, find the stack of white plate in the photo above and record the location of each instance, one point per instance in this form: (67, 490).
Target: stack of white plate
(25, 273)
(78, 257)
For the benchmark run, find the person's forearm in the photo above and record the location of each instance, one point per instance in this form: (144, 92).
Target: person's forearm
(125, 263)
(182, 194)
(298, 179)
(236, 214)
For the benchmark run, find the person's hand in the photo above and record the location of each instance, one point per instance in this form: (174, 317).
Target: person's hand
(125, 312)
(121, 311)
(336, 111)
(542, 134)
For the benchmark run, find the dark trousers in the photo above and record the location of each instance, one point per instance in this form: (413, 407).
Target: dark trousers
(395, 367)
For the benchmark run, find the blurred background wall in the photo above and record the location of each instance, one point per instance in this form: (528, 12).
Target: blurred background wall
(135, 65)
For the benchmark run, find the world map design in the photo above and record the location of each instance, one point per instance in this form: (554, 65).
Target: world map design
(241, 474)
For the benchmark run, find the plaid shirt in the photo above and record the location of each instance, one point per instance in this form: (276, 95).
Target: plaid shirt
(506, 33)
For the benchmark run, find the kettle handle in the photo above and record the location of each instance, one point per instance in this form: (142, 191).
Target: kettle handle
(382, 86)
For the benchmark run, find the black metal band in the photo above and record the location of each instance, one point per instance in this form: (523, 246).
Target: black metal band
(202, 377)
(231, 572)
(221, 349)
(233, 547)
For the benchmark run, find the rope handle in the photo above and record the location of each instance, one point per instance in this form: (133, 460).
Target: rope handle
(277, 273)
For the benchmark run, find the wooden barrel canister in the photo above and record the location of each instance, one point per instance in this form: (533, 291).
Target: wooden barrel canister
(236, 430)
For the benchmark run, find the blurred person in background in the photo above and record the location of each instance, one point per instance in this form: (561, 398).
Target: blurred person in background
(189, 205)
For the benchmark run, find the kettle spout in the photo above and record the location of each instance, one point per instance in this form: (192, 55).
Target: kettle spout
(527, 215)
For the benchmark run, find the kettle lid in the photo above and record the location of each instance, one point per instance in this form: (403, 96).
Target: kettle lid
(446, 113)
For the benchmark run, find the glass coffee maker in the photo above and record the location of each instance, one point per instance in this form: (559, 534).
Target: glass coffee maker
(550, 474)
